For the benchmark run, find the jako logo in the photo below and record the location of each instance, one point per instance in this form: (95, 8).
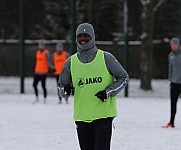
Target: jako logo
(82, 82)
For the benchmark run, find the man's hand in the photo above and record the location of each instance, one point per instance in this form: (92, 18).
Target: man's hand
(102, 95)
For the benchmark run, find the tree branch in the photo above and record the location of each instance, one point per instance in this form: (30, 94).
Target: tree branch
(158, 5)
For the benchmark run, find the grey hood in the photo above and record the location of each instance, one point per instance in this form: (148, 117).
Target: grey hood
(175, 40)
(88, 29)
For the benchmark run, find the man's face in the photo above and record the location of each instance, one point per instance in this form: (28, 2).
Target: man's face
(41, 46)
(83, 38)
(174, 46)
(59, 49)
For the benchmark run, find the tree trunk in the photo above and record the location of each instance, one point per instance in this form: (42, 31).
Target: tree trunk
(90, 16)
(147, 46)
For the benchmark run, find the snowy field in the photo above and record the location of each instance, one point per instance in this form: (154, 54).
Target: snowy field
(24, 126)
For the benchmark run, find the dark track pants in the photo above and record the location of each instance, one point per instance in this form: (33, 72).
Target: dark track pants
(95, 135)
(57, 78)
(175, 90)
(41, 78)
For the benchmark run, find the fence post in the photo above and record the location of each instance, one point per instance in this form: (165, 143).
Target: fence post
(73, 25)
(21, 42)
(126, 51)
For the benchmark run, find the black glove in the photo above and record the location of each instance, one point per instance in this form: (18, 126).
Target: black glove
(102, 95)
(64, 91)
(54, 70)
(67, 90)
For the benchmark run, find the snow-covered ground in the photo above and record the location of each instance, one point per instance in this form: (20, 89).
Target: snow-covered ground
(24, 126)
(12, 85)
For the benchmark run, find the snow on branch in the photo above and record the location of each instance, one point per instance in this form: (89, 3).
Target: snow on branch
(145, 2)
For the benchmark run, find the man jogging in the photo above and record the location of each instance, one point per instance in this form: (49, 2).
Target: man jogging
(174, 77)
(97, 78)
(59, 58)
(41, 70)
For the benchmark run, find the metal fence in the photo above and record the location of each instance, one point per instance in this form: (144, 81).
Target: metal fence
(9, 56)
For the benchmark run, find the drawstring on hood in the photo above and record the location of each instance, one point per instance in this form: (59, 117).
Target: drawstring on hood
(88, 29)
